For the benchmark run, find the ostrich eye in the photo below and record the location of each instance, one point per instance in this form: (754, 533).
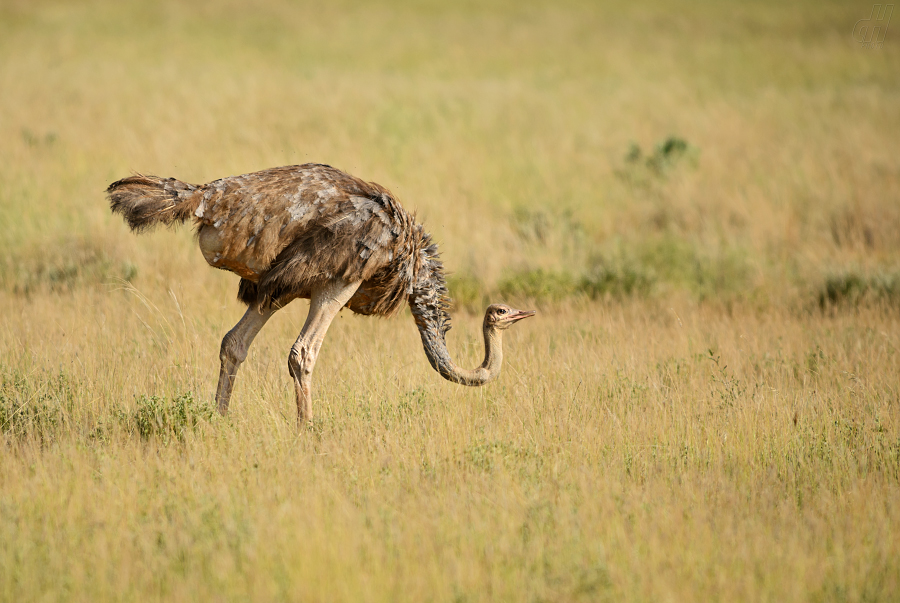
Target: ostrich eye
(502, 311)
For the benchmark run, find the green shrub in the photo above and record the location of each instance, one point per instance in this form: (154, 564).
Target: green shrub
(667, 156)
(685, 265)
(854, 288)
(156, 416)
(615, 278)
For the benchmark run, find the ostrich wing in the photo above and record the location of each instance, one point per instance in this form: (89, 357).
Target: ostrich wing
(309, 223)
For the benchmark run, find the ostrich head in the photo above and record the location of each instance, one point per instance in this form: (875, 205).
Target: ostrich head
(501, 316)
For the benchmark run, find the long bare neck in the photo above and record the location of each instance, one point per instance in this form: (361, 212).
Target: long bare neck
(436, 351)
(429, 301)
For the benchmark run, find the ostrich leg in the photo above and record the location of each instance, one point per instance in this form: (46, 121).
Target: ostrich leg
(324, 304)
(234, 351)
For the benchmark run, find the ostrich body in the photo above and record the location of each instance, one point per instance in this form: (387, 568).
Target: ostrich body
(312, 231)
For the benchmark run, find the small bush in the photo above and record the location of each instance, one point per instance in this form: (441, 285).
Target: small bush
(667, 156)
(37, 417)
(683, 264)
(854, 288)
(156, 416)
(616, 278)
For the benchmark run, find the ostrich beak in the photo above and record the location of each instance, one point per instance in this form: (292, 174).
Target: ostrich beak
(519, 315)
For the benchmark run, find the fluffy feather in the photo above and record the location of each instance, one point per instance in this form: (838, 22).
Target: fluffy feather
(303, 224)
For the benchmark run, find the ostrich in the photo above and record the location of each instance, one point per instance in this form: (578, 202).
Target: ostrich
(312, 231)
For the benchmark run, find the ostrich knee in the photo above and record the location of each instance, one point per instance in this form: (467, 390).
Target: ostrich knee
(302, 360)
(232, 353)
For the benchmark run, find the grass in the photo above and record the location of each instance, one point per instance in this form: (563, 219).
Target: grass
(698, 198)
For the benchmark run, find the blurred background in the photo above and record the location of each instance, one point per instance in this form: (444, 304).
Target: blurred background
(715, 150)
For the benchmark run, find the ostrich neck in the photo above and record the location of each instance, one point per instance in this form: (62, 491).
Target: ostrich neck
(436, 351)
(429, 300)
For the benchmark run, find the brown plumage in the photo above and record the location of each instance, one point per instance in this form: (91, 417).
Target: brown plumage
(308, 231)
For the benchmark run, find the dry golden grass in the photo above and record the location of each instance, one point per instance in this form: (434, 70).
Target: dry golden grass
(706, 407)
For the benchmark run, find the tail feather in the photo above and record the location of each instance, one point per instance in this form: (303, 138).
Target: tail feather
(145, 201)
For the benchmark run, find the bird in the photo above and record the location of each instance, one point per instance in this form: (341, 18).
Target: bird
(312, 232)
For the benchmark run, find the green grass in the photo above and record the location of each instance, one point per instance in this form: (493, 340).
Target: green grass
(700, 200)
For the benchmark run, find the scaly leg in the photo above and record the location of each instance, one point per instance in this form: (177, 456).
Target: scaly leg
(234, 350)
(324, 305)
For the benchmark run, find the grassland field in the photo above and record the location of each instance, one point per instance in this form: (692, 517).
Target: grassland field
(700, 199)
